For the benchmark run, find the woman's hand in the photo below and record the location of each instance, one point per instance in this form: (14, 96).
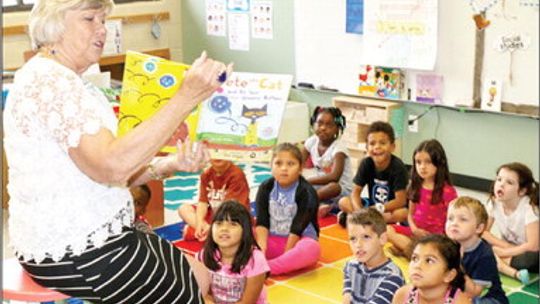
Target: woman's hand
(190, 157)
(202, 78)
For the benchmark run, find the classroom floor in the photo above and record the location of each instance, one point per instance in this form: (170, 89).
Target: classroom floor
(319, 284)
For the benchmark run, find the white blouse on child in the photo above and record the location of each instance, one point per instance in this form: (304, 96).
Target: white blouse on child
(323, 163)
(513, 226)
(54, 207)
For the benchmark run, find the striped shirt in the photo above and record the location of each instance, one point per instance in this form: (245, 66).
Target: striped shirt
(376, 285)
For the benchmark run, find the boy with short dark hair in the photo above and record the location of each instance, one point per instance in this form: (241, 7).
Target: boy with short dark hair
(465, 223)
(383, 173)
(371, 277)
(222, 181)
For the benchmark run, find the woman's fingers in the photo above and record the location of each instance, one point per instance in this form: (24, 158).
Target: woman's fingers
(191, 157)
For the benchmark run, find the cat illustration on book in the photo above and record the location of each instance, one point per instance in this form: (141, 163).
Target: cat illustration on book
(253, 114)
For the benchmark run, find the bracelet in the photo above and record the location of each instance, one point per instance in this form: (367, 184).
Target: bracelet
(152, 172)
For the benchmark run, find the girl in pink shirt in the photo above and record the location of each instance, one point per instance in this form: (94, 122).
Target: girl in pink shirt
(237, 266)
(429, 193)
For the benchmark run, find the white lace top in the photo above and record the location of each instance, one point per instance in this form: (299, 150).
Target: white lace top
(54, 207)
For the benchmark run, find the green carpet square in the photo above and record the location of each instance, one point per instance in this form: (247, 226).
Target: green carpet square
(532, 288)
(522, 298)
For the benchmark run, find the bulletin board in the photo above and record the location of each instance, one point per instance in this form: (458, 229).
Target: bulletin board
(327, 55)
(274, 55)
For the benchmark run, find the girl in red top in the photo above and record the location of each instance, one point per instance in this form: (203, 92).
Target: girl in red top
(429, 194)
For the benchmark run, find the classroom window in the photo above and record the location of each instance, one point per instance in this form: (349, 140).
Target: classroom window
(26, 5)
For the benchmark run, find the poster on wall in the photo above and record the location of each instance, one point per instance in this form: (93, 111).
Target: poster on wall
(401, 33)
(241, 120)
(238, 6)
(262, 20)
(113, 41)
(216, 23)
(355, 16)
(491, 95)
(238, 31)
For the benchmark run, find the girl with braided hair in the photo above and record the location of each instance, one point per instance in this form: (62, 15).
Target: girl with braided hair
(329, 157)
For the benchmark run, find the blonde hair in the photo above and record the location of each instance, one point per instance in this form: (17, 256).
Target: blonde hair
(46, 21)
(474, 205)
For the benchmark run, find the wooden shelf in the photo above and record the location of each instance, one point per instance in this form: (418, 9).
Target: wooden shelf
(21, 29)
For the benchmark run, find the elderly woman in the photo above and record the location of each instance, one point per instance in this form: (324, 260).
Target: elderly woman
(71, 211)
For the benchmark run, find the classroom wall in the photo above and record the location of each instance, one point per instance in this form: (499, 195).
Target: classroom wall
(264, 56)
(476, 143)
(136, 36)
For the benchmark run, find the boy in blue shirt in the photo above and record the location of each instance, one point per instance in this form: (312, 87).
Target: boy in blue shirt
(465, 223)
(383, 173)
(370, 277)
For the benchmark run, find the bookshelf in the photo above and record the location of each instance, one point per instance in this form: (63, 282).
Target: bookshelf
(360, 113)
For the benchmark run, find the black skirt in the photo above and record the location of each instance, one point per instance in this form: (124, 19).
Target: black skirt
(132, 267)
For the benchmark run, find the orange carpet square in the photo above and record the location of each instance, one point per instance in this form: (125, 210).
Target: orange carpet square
(333, 250)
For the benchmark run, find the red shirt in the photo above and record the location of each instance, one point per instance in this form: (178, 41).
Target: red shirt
(232, 184)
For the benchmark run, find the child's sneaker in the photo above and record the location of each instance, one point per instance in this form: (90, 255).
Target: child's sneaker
(523, 276)
(342, 219)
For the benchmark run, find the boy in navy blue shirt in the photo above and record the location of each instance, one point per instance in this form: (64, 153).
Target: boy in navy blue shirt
(465, 223)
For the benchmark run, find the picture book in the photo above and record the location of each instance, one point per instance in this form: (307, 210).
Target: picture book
(240, 121)
(148, 83)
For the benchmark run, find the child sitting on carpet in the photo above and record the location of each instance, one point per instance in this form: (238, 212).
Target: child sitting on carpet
(514, 210)
(329, 156)
(383, 173)
(466, 220)
(222, 181)
(237, 266)
(429, 194)
(371, 277)
(287, 229)
(435, 273)
(141, 197)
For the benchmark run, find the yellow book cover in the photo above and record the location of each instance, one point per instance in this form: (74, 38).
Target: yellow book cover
(148, 84)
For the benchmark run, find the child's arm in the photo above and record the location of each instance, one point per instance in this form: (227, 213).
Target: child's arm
(491, 239)
(254, 286)
(356, 200)
(305, 154)
(201, 273)
(472, 289)
(261, 235)
(202, 227)
(334, 175)
(462, 298)
(410, 219)
(398, 202)
(531, 244)
(263, 214)
(291, 241)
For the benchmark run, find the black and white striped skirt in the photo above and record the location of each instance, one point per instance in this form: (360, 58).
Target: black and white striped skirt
(133, 267)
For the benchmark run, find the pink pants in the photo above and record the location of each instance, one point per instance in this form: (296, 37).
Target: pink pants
(304, 254)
